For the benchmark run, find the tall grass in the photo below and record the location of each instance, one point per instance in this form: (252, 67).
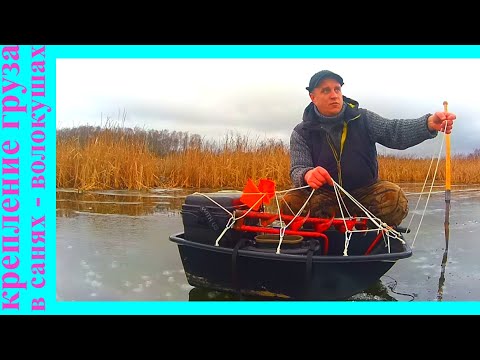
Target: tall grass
(227, 164)
(465, 169)
(120, 158)
(109, 159)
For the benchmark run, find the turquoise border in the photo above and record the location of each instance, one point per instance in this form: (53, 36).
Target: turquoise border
(243, 51)
(267, 308)
(265, 51)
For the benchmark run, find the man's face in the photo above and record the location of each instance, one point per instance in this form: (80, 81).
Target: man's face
(327, 97)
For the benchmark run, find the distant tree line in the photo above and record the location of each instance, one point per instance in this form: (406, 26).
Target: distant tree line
(164, 142)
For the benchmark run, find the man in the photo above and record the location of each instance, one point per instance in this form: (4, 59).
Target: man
(336, 139)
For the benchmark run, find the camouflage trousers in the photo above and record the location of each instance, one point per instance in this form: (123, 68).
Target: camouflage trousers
(384, 199)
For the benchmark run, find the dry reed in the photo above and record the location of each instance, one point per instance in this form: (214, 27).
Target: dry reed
(113, 159)
(464, 169)
(119, 158)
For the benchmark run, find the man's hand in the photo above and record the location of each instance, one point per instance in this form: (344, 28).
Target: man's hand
(318, 177)
(441, 121)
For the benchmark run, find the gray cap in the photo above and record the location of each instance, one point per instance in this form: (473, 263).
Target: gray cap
(319, 76)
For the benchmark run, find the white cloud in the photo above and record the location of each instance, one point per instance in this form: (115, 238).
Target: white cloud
(263, 97)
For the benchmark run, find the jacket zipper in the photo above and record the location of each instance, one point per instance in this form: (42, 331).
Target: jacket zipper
(337, 156)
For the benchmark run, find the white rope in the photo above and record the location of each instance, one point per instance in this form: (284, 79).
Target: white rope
(292, 189)
(421, 193)
(388, 231)
(340, 202)
(347, 242)
(283, 228)
(380, 224)
(229, 225)
(209, 198)
(429, 193)
(348, 234)
(231, 221)
(388, 241)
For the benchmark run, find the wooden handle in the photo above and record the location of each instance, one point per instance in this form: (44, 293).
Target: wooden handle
(447, 154)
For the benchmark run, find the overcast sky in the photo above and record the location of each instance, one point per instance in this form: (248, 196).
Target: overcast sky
(263, 98)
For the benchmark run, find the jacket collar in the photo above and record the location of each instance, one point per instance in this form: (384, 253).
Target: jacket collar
(313, 120)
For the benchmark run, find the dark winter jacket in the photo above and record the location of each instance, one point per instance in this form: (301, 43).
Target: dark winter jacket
(345, 144)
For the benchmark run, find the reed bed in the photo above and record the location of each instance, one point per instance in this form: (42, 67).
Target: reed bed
(227, 165)
(111, 159)
(118, 158)
(465, 169)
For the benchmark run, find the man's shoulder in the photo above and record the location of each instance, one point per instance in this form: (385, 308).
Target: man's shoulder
(299, 128)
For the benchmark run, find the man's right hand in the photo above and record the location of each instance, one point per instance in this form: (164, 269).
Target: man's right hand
(318, 177)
